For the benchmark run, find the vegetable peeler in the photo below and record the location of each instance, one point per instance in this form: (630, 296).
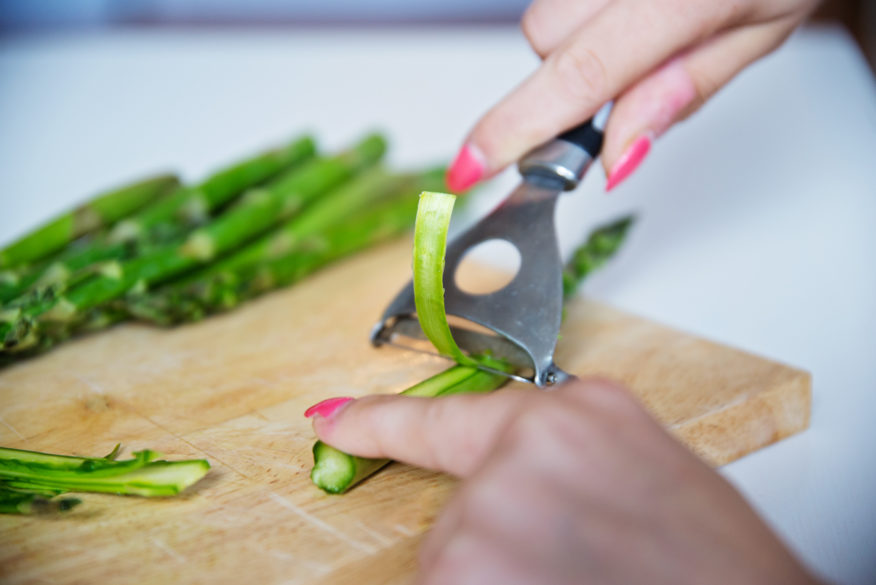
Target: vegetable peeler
(523, 318)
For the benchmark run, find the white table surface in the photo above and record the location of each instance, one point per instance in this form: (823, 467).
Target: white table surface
(758, 217)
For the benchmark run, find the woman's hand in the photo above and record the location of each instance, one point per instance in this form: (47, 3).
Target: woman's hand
(660, 60)
(575, 485)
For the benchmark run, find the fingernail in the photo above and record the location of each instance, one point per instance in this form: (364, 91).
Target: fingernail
(629, 160)
(467, 168)
(327, 407)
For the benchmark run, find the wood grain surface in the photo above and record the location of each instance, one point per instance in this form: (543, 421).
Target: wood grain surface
(233, 389)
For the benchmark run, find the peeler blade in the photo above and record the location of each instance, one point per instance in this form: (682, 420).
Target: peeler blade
(526, 313)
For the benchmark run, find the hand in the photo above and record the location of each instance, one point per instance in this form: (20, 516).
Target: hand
(660, 60)
(575, 485)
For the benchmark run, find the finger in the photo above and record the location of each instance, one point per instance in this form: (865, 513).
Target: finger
(675, 90)
(547, 23)
(449, 434)
(616, 47)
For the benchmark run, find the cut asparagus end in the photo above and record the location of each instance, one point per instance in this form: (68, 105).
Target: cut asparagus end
(333, 470)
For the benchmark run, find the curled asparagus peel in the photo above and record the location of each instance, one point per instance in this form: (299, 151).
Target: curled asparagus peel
(430, 246)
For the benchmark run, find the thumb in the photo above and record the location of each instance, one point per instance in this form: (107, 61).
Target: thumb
(450, 434)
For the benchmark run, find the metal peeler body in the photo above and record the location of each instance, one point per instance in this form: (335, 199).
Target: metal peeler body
(526, 313)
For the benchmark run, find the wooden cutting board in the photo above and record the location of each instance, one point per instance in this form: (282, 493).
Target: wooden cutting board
(233, 389)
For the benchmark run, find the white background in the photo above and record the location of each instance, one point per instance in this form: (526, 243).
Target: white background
(758, 217)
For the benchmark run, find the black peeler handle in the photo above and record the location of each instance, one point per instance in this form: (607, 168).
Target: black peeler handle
(565, 160)
(587, 136)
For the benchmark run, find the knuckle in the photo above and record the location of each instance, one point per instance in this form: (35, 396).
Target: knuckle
(616, 400)
(530, 425)
(581, 73)
(477, 502)
(705, 85)
(453, 561)
(605, 397)
(531, 28)
(436, 418)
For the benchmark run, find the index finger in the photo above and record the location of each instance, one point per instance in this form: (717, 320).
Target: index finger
(450, 434)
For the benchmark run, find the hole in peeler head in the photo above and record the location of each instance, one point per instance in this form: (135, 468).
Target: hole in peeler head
(487, 267)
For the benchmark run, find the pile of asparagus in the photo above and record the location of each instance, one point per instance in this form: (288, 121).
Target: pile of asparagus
(166, 253)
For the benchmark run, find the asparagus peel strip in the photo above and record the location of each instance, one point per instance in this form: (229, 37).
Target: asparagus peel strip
(13, 501)
(101, 211)
(430, 246)
(28, 478)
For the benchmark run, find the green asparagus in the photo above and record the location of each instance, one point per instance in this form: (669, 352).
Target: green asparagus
(261, 209)
(257, 211)
(103, 210)
(156, 223)
(193, 205)
(322, 233)
(601, 245)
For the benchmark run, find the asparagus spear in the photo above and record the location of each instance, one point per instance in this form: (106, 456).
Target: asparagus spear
(600, 246)
(193, 204)
(60, 272)
(103, 210)
(33, 342)
(324, 215)
(261, 209)
(258, 210)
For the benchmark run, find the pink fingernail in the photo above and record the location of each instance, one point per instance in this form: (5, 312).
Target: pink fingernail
(467, 168)
(629, 161)
(327, 407)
